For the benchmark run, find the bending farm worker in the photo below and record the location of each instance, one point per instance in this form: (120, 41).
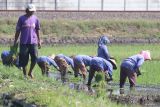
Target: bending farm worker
(130, 68)
(63, 62)
(102, 48)
(101, 65)
(44, 62)
(9, 59)
(80, 63)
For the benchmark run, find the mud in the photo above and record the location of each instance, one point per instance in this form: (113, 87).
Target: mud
(86, 40)
(143, 95)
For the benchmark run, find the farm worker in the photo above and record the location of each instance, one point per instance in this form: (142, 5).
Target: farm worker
(80, 63)
(44, 62)
(63, 62)
(130, 68)
(8, 58)
(27, 28)
(102, 48)
(102, 65)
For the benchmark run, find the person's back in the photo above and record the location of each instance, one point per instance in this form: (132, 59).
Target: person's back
(68, 59)
(133, 62)
(83, 59)
(6, 57)
(104, 64)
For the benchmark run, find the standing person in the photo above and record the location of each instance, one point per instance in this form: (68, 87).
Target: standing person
(80, 63)
(44, 62)
(28, 27)
(130, 68)
(101, 65)
(102, 48)
(63, 62)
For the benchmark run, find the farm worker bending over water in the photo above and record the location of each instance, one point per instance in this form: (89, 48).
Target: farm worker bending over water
(44, 62)
(9, 59)
(28, 27)
(101, 65)
(80, 63)
(130, 68)
(63, 62)
(102, 48)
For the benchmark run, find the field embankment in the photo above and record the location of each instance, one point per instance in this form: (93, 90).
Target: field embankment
(84, 31)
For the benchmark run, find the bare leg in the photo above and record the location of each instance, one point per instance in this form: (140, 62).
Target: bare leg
(31, 68)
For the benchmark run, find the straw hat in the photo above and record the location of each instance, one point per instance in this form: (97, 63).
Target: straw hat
(146, 54)
(113, 62)
(52, 56)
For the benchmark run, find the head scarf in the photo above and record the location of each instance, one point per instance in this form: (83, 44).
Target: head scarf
(103, 40)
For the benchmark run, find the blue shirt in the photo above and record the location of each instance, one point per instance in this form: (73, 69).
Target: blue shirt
(68, 59)
(133, 62)
(103, 64)
(83, 59)
(103, 52)
(102, 48)
(5, 54)
(47, 60)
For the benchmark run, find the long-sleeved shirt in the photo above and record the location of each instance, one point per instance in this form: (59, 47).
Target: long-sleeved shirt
(102, 48)
(68, 59)
(83, 59)
(5, 54)
(103, 52)
(103, 64)
(133, 62)
(47, 60)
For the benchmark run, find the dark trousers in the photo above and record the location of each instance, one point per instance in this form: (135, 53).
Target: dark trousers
(124, 73)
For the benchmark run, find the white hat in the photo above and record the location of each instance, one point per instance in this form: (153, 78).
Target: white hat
(31, 7)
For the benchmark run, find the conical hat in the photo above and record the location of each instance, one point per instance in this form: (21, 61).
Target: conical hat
(113, 62)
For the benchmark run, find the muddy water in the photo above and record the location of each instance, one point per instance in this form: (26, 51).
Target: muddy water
(146, 96)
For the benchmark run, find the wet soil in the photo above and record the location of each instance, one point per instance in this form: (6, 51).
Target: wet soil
(143, 95)
(87, 40)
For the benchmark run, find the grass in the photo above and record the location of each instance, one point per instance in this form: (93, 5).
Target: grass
(47, 91)
(119, 28)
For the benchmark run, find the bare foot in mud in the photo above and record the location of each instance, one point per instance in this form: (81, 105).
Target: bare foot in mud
(31, 76)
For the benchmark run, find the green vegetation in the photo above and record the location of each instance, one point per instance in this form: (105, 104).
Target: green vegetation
(119, 28)
(47, 91)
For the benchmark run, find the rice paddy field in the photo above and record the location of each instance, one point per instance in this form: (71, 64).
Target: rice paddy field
(43, 91)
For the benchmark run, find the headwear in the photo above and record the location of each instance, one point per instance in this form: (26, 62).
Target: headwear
(146, 54)
(113, 62)
(103, 40)
(52, 56)
(31, 7)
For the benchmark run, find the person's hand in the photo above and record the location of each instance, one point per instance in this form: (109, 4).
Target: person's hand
(39, 44)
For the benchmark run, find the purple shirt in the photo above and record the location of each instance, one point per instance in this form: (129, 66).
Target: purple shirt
(28, 27)
(133, 62)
